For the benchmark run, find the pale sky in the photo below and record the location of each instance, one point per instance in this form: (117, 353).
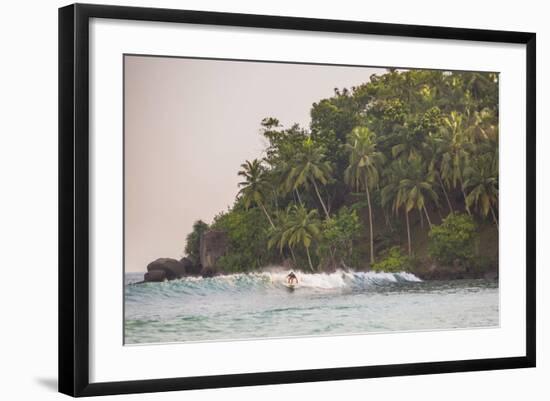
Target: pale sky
(189, 124)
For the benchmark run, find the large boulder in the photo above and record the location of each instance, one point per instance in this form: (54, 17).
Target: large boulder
(186, 262)
(155, 276)
(191, 268)
(172, 268)
(213, 245)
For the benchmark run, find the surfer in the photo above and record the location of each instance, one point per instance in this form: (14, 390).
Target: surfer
(291, 279)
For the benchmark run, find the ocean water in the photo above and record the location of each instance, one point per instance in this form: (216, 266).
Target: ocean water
(258, 305)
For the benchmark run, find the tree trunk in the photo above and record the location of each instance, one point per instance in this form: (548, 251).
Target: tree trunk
(266, 214)
(309, 258)
(427, 217)
(299, 198)
(408, 231)
(370, 226)
(494, 216)
(465, 202)
(445, 193)
(332, 256)
(293, 256)
(386, 218)
(320, 199)
(276, 202)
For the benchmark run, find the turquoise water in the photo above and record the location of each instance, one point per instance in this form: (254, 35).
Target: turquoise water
(258, 305)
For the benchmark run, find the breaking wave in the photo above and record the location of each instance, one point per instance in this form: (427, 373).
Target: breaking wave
(276, 278)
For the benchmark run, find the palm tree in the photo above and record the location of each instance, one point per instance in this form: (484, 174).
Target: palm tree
(277, 235)
(391, 193)
(254, 187)
(303, 228)
(409, 185)
(281, 172)
(309, 166)
(433, 153)
(482, 184)
(455, 152)
(409, 145)
(362, 172)
(417, 187)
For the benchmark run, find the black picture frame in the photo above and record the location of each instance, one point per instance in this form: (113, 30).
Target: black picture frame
(74, 202)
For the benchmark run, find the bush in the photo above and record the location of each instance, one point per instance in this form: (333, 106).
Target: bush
(394, 262)
(455, 239)
(247, 232)
(338, 234)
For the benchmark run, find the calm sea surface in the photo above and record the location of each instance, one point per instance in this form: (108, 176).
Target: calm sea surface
(258, 305)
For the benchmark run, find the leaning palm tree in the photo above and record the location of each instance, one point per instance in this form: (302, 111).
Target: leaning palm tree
(408, 186)
(309, 166)
(362, 172)
(416, 188)
(254, 187)
(302, 230)
(482, 185)
(282, 168)
(276, 234)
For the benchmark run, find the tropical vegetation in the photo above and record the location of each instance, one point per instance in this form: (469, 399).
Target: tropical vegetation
(406, 159)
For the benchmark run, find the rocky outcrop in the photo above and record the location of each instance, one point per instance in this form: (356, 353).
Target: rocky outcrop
(155, 276)
(213, 245)
(209, 272)
(171, 268)
(191, 268)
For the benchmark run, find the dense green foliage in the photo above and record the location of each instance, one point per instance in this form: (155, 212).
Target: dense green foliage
(393, 261)
(338, 235)
(192, 246)
(454, 240)
(394, 155)
(247, 232)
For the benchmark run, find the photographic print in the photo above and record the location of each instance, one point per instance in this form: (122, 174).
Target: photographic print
(270, 200)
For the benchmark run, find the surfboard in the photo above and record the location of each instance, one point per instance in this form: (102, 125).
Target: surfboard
(290, 287)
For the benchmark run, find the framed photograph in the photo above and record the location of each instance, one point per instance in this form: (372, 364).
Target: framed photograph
(251, 199)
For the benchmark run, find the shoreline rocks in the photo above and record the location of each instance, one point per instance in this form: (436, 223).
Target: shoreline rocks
(213, 245)
(168, 268)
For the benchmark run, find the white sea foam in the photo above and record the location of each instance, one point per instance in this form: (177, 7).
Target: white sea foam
(276, 276)
(336, 280)
(342, 279)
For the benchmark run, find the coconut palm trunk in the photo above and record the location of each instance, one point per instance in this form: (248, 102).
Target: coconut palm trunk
(445, 192)
(298, 195)
(266, 214)
(309, 258)
(494, 216)
(370, 226)
(292, 254)
(408, 231)
(427, 216)
(465, 201)
(320, 199)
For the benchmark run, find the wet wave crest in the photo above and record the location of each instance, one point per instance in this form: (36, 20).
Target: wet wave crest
(276, 278)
